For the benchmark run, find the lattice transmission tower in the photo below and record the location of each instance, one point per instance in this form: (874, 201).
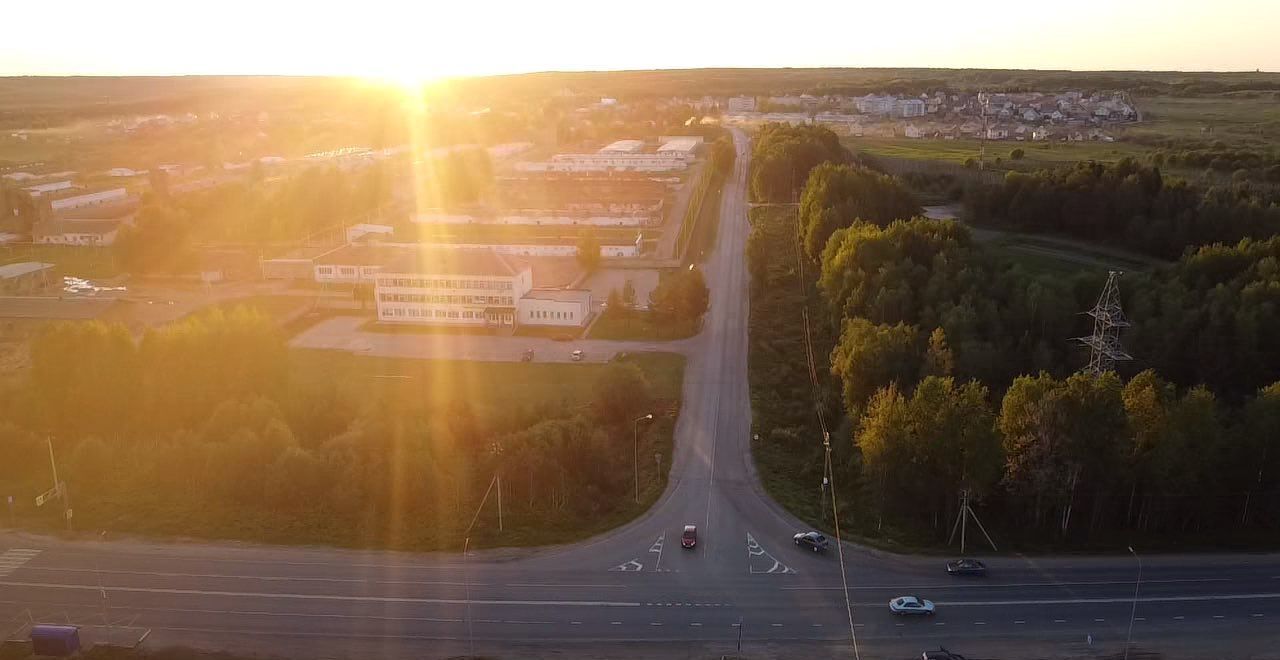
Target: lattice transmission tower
(1108, 318)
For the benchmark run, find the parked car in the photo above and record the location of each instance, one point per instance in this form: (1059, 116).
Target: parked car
(527, 356)
(910, 605)
(689, 538)
(576, 355)
(812, 540)
(966, 567)
(941, 654)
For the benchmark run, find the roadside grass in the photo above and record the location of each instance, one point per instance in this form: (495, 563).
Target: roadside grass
(71, 260)
(361, 381)
(639, 325)
(283, 310)
(704, 235)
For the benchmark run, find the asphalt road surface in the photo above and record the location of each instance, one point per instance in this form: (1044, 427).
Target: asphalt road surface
(636, 585)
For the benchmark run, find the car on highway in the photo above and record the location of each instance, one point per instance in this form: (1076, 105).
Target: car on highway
(966, 567)
(527, 356)
(576, 355)
(941, 654)
(812, 540)
(911, 605)
(689, 537)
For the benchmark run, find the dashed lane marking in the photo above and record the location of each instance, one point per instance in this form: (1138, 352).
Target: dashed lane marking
(979, 623)
(695, 624)
(1139, 618)
(1018, 623)
(1059, 620)
(1219, 616)
(615, 623)
(776, 625)
(1256, 616)
(1179, 618)
(321, 597)
(1099, 620)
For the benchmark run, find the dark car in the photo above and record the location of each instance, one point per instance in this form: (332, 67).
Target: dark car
(811, 540)
(527, 356)
(966, 567)
(690, 537)
(940, 654)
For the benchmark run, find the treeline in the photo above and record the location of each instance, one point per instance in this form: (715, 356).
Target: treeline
(1126, 203)
(1242, 164)
(783, 155)
(210, 427)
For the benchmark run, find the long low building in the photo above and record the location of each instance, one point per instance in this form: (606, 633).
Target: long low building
(471, 288)
(605, 162)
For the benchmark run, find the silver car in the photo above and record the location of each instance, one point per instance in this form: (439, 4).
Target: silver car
(911, 605)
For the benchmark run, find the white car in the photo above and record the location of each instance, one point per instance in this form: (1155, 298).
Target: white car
(910, 605)
(576, 355)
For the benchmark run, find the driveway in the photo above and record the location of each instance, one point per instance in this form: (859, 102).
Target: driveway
(345, 333)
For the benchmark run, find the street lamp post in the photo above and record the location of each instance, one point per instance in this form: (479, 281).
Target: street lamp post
(466, 583)
(1134, 611)
(635, 450)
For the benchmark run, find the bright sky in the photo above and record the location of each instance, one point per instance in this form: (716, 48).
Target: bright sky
(409, 39)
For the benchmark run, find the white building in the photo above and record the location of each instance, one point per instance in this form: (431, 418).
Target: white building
(624, 147)
(742, 104)
(605, 162)
(554, 307)
(355, 264)
(355, 232)
(46, 188)
(478, 288)
(875, 105)
(91, 199)
(75, 232)
(909, 108)
(680, 147)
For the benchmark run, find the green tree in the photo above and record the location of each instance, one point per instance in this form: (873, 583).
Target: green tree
(621, 392)
(723, 154)
(681, 296)
(588, 251)
(938, 360)
(837, 196)
(159, 242)
(870, 356)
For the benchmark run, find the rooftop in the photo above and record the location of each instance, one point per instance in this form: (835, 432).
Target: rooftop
(21, 268)
(682, 145)
(624, 147)
(455, 261)
(57, 227)
(361, 255)
(561, 295)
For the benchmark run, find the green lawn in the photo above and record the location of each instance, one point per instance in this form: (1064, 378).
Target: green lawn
(1243, 118)
(639, 326)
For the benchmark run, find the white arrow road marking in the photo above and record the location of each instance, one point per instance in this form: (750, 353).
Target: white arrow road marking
(657, 547)
(631, 566)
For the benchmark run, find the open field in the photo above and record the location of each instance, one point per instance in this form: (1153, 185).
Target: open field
(1037, 154)
(1246, 118)
(1051, 254)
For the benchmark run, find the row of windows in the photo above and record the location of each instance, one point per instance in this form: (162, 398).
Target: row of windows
(349, 271)
(414, 312)
(559, 316)
(419, 283)
(448, 300)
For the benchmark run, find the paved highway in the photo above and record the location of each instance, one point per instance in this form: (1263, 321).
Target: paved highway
(636, 585)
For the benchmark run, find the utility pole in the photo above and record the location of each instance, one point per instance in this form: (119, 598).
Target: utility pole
(1108, 319)
(466, 583)
(499, 479)
(635, 450)
(59, 489)
(1134, 611)
(961, 523)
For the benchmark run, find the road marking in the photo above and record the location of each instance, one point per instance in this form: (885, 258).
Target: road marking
(899, 624)
(1099, 620)
(979, 623)
(1179, 618)
(1219, 616)
(776, 625)
(575, 623)
(695, 624)
(14, 558)
(537, 586)
(1121, 599)
(657, 547)
(287, 596)
(1139, 618)
(632, 566)
(654, 623)
(615, 623)
(1018, 623)
(1256, 616)
(997, 585)
(755, 550)
(816, 625)
(939, 623)
(1059, 620)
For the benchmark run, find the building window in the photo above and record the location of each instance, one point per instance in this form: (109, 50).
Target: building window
(347, 270)
(325, 270)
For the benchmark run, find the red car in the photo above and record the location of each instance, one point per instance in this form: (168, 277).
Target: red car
(690, 536)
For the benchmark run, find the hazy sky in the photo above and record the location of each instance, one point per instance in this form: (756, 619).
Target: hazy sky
(425, 38)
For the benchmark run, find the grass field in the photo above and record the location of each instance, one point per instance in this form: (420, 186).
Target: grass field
(1241, 117)
(1055, 255)
(1037, 154)
(639, 326)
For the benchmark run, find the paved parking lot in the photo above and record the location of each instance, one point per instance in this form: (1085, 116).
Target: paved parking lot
(344, 333)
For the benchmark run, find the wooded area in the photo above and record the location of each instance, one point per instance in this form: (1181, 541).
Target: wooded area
(953, 369)
(189, 430)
